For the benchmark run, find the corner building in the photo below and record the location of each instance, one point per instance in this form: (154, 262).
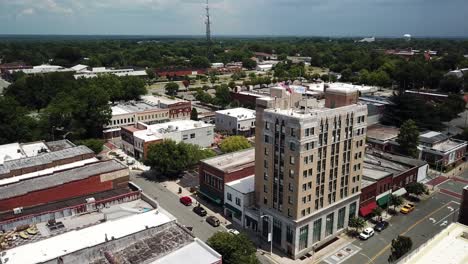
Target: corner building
(308, 167)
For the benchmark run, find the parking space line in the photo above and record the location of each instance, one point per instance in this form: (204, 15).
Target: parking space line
(406, 231)
(453, 212)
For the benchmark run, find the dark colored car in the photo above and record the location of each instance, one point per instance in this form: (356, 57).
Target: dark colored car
(212, 220)
(199, 211)
(381, 226)
(186, 200)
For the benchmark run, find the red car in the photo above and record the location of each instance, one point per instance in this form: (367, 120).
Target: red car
(185, 200)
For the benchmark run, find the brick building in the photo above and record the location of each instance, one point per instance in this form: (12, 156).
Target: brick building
(384, 174)
(215, 172)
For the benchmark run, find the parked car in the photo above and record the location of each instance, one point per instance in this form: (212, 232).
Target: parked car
(381, 226)
(233, 231)
(199, 211)
(407, 208)
(212, 220)
(367, 233)
(185, 200)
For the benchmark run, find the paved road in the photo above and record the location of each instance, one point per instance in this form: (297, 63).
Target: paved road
(170, 202)
(429, 218)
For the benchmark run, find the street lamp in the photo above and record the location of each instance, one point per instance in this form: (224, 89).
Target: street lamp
(270, 218)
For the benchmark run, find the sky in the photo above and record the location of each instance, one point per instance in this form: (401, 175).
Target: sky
(438, 18)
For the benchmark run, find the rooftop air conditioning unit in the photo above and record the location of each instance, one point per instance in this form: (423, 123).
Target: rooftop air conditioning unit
(17, 210)
(90, 200)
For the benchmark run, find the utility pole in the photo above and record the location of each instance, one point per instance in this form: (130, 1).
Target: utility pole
(208, 31)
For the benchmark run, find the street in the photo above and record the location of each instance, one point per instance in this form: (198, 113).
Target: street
(170, 202)
(429, 218)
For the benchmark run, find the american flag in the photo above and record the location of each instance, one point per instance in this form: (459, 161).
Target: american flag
(286, 86)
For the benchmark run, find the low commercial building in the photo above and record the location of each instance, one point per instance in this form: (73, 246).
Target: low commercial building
(236, 121)
(148, 237)
(178, 108)
(437, 149)
(440, 150)
(385, 174)
(132, 112)
(215, 172)
(136, 139)
(448, 246)
(382, 137)
(238, 195)
(40, 69)
(83, 71)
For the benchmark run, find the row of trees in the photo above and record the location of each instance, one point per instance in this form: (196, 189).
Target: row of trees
(76, 109)
(426, 114)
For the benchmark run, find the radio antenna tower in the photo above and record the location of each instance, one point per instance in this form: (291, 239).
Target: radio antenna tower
(208, 31)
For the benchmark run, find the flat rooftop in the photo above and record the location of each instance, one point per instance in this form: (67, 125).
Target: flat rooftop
(14, 151)
(232, 161)
(24, 186)
(11, 152)
(157, 100)
(158, 131)
(450, 246)
(382, 133)
(432, 137)
(375, 173)
(43, 158)
(70, 242)
(315, 111)
(365, 183)
(244, 185)
(239, 113)
(133, 107)
(196, 252)
(449, 145)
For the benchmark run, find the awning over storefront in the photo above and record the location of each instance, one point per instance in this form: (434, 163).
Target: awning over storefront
(233, 209)
(211, 197)
(400, 192)
(366, 210)
(383, 201)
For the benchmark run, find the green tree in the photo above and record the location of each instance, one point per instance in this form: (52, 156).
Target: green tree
(357, 223)
(416, 188)
(94, 144)
(400, 246)
(203, 97)
(377, 211)
(170, 158)
(235, 249)
(451, 84)
(151, 74)
(171, 88)
(133, 87)
(408, 138)
(395, 201)
(223, 95)
(15, 124)
(249, 63)
(200, 62)
(194, 114)
(234, 143)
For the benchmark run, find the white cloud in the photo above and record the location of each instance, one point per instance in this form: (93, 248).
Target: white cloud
(27, 11)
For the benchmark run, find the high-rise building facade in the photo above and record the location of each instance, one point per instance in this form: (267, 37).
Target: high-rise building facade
(308, 168)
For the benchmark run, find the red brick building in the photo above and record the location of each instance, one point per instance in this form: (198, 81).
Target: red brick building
(215, 172)
(385, 174)
(171, 72)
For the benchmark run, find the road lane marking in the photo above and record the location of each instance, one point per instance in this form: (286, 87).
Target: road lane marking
(406, 231)
(453, 212)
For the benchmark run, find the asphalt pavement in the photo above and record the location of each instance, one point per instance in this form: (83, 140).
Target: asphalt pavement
(429, 218)
(170, 202)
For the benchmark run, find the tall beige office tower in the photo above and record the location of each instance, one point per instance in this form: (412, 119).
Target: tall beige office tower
(308, 166)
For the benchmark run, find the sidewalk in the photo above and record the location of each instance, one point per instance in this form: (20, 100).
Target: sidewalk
(173, 186)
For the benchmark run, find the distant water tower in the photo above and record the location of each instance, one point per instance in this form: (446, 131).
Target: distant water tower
(407, 37)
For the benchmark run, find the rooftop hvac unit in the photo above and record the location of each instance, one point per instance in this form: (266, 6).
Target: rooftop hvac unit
(90, 200)
(17, 210)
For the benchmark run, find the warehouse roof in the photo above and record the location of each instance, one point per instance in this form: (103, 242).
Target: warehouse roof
(47, 181)
(232, 161)
(239, 113)
(43, 159)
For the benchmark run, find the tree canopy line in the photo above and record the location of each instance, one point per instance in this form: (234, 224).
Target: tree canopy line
(79, 108)
(55, 105)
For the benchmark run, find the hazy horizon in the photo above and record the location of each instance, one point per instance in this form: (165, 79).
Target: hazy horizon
(302, 18)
